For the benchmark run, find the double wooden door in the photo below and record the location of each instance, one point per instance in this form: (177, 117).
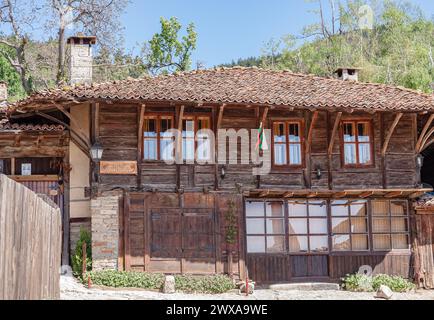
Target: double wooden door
(169, 240)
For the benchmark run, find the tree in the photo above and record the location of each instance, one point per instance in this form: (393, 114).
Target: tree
(166, 53)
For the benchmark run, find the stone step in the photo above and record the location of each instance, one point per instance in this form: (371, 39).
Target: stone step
(309, 286)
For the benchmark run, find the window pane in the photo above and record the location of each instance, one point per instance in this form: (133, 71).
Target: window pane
(358, 208)
(294, 132)
(255, 244)
(150, 128)
(318, 226)
(319, 244)
(381, 241)
(274, 209)
(363, 131)
(399, 225)
(280, 154)
(188, 128)
(167, 149)
(298, 226)
(279, 133)
(341, 242)
(295, 154)
(340, 225)
(203, 123)
(275, 244)
(150, 149)
(297, 208)
(254, 209)
(255, 226)
(350, 153)
(298, 244)
(339, 208)
(188, 149)
(166, 124)
(398, 208)
(400, 241)
(359, 225)
(379, 208)
(360, 242)
(275, 226)
(380, 225)
(317, 208)
(364, 153)
(349, 135)
(203, 148)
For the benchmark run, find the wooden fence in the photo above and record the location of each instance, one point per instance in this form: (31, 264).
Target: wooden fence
(30, 244)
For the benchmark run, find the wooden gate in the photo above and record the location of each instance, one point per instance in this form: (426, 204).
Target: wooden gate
(168, 239)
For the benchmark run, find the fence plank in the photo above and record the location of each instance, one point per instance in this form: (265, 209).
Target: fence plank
(30, 244)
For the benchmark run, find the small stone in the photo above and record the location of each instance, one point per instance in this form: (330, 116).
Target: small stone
(169, 285)
(384, 292)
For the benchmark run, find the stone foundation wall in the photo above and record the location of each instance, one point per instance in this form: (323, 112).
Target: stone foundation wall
(105, 230)
(74, 232)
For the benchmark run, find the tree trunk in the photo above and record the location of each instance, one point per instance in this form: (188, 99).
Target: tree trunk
(61, 56)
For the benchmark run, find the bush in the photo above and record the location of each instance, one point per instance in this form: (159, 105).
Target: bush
(358, 282)
(204, 284)
(117, 279)
(77, 257)
(155, 281)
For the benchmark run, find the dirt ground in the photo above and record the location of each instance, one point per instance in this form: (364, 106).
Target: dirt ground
(72, 290)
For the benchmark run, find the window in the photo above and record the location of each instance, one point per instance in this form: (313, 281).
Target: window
(349, 225)
(287, 142)
(190, 127)
(357, 143)
(157, 143)
(307, 226)
(265, 225)
(390, 225)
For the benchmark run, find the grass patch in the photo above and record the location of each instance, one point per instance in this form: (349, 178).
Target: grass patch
(363, 283)
(155, 281)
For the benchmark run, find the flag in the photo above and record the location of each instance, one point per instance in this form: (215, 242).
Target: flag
(261, 144)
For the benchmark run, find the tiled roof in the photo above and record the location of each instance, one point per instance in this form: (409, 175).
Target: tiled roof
(30, 127)
(247, 86)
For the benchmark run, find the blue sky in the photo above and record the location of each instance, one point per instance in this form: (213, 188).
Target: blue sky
(226, 29)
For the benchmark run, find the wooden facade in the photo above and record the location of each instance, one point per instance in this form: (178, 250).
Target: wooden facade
(176, 218)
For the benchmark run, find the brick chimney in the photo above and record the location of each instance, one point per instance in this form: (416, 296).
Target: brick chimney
(348, 73)
(81, 60)
(3, 91)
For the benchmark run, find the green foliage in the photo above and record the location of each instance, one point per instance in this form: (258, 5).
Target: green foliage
(123, 279)
(398, 50)
(11, 77)
(165, 52)
(364, 283)
(77, 258)
(204, 284)
(231, 223)
(155, 281)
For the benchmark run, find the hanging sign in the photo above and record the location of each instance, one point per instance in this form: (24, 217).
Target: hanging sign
(118, 167)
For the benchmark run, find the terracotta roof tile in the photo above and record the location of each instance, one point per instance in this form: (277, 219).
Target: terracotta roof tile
(250, 86)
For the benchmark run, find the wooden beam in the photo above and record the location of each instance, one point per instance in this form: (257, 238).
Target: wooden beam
(394, 194)
(390, 133)
(342, 194)
(264, 116)
(74, 122)
(140, 131)
(38, 140)
(427, 144)
(425, 140)
(288, 194)
(180, 115)
(264, 193)
(312, 195)
(13, 166)
(423, 133)
(311, 127)
(17, 140)
(366, 194)
(220, 116)
(334, 132)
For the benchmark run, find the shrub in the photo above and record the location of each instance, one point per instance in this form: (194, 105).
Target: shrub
(358, 282)
(155, 281)
(77, 257)
(117, 279)
(204, 284)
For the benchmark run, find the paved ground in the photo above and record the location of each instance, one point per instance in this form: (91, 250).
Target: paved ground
(72, 290)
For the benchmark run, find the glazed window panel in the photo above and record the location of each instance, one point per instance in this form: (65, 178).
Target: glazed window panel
(158, 144)
(357, 143)
(287, 143)
(390, 224)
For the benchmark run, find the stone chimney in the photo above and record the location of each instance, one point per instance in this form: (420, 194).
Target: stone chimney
(81, 60)
(348, 73)
(3, 91)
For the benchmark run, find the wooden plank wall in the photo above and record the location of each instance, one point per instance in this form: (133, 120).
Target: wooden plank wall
(30, 244)
(118, 135)
(423, 248)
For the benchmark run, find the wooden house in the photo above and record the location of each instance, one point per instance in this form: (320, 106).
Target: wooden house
(345, 170)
